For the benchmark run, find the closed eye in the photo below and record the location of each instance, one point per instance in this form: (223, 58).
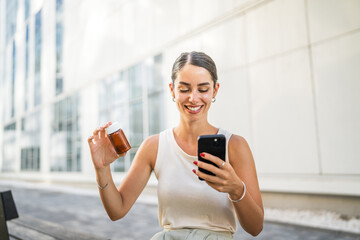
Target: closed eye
(203, 90)
(184, 90)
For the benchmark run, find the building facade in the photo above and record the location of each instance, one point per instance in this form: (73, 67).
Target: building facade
(288, 71)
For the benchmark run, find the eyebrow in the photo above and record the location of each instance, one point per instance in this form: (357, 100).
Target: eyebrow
(188, 84)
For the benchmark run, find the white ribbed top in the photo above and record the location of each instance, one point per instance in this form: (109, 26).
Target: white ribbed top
(184, 200)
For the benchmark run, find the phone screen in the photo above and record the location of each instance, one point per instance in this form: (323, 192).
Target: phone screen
(213, 144)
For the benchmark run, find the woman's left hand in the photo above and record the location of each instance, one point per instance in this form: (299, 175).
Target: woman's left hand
(225, 179)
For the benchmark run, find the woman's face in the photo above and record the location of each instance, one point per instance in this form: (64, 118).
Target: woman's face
(193, 91)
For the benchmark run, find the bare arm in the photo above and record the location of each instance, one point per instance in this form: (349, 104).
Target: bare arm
(117, 202)
(249, 210)
(229, 179)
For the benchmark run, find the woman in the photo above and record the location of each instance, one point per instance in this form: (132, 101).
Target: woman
(188, 208)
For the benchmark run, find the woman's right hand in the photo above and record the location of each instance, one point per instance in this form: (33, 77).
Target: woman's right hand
(101, 149)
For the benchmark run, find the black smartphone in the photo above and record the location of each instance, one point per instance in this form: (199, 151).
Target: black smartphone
(213, 144)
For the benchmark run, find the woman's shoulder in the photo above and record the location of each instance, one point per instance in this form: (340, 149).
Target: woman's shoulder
(234, 139)
(151, 142)
(238, 144)
(148, 149)
(237, 139)
(239, 147)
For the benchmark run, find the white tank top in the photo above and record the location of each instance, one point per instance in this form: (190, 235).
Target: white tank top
(184, 200)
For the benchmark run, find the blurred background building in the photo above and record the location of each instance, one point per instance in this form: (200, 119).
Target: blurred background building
(289, 73)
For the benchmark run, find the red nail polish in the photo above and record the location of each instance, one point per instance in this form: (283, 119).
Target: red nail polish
(195, 162)
(194, 171)
(202, 154)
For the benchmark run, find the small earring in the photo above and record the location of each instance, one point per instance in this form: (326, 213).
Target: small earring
(213, 100)
(173, 99)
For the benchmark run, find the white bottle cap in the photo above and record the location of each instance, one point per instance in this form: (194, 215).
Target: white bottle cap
(113, 128)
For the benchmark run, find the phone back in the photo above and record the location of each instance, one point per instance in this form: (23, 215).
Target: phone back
(213, 144)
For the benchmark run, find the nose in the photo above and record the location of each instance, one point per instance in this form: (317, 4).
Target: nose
(194, 96)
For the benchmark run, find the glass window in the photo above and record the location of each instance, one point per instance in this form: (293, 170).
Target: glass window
(11, 16)
(136, 123)
(156, 113)
(103, 101)
(26, 85)
(38, 39)
(38, 43)
(155, 80)
(3, 90)
(27, 51)
(121, 98)
(13, 80)
(9, 148)
(119, 165)
(27, 9)
(135, 81)
(30, 142)
(155, 85)
(59, 47)
(65, 140)
(120, 88)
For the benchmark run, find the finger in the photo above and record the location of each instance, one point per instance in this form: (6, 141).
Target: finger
(102, 132)
(207, 177)
(90, 140)
(212, 158)
(96, 134)
(106, 124)
(211, 168)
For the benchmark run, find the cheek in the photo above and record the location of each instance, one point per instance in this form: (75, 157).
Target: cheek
(178, 94)
(207, 96)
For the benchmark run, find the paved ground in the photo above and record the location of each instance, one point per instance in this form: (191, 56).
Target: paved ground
(85, 213)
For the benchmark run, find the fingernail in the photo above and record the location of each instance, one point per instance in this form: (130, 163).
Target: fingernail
(194, 171)
(195, 162)
(202, 154)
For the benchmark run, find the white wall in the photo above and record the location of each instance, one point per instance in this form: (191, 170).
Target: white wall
(289, 80)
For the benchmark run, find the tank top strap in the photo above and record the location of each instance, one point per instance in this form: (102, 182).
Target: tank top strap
(164, 139)
(227, 136)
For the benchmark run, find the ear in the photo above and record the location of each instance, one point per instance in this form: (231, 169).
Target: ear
(217, 85)
(171, 87)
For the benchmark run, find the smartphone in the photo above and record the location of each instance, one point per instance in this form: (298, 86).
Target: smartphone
(213, 144)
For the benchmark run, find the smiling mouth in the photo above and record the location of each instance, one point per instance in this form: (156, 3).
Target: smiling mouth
(194, 109)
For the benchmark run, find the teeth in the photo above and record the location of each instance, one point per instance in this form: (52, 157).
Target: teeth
(194, 108)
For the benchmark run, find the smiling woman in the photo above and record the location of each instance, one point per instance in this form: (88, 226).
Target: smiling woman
(188, 208)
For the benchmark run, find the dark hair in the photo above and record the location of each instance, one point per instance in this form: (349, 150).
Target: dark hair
(199, 59)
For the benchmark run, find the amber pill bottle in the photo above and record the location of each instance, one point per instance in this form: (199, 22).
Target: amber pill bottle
(118, 138)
